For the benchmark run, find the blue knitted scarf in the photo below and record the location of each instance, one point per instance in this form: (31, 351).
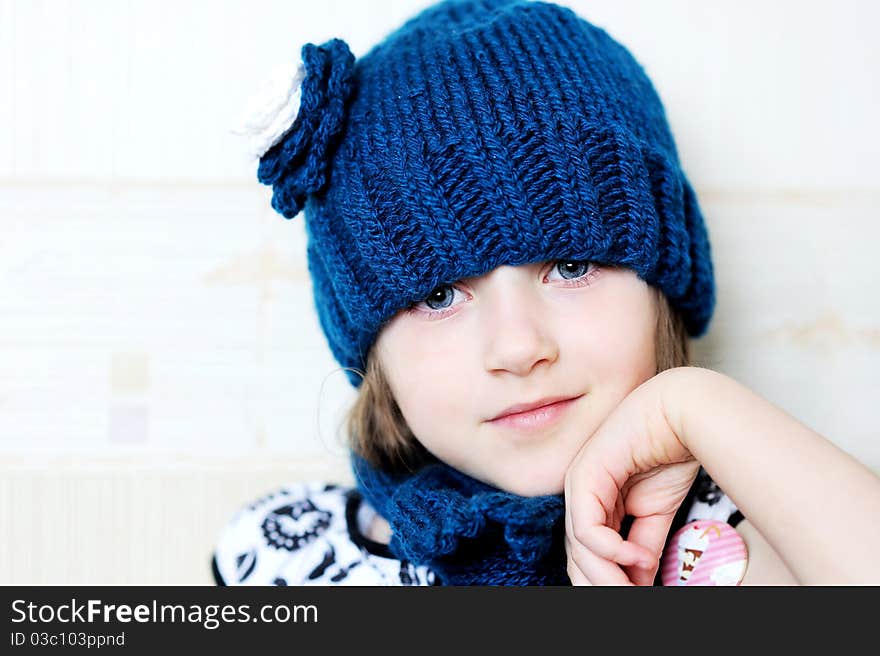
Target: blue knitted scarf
(465, 531)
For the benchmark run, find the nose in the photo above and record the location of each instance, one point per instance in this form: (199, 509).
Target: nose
(518, 334)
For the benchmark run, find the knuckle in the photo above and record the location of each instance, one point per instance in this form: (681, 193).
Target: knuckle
(579, 531)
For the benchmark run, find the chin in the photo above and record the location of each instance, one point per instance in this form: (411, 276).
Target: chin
(533, 485)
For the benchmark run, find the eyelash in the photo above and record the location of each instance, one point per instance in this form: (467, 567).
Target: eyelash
(581, 281)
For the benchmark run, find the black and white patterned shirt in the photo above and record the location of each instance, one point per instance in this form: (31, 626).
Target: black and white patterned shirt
(314, 533)
(309, 534)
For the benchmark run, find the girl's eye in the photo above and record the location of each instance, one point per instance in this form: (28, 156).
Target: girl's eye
(440, 298)
(439, 303)
(579, 271)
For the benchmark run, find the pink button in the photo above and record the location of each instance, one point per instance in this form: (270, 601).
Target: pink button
(704, 552)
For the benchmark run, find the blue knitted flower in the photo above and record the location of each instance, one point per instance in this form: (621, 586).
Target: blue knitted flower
(298, 164)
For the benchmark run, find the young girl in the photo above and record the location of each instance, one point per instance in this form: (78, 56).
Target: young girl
(508, 260)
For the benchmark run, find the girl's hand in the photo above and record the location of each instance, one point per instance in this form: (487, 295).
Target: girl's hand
(634, 464)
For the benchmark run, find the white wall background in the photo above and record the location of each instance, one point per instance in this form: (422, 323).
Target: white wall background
(161, 363)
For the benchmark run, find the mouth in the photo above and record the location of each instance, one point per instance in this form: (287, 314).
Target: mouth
(527, 417)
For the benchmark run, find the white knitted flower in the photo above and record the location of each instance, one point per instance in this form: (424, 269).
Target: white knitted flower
(272, 110)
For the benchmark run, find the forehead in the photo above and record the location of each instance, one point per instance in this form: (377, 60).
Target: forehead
(500, 269)
(534, 267)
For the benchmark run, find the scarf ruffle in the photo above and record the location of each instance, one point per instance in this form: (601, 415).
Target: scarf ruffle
(466, 531)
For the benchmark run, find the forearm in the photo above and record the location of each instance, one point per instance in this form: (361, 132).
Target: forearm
(818, 506)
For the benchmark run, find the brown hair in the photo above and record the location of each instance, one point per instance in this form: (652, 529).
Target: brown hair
(378, 432)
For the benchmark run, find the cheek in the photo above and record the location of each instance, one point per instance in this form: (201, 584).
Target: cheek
(612, 345)
(415, 363)
(425, 378)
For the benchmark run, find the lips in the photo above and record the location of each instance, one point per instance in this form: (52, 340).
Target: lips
(525, 407)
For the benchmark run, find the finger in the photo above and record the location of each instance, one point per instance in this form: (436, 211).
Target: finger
(594, 499)
(650, 532)
(575, 574)
(641, 576)
(605, 542)
(619, 513)
(598, 570)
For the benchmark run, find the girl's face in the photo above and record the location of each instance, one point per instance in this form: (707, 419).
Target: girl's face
(517, 335)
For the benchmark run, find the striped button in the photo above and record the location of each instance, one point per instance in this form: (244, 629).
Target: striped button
(704, 552)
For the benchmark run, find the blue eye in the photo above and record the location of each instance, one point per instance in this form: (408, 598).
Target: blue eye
(574, 273)
(441, 302)
(436, 299)
(570, 269)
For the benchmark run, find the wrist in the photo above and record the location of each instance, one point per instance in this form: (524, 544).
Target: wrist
(682, 389)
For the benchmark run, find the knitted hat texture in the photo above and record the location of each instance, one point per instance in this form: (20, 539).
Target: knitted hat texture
(481, 133)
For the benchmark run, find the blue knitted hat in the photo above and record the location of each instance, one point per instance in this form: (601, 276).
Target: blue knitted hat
(478, 134)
